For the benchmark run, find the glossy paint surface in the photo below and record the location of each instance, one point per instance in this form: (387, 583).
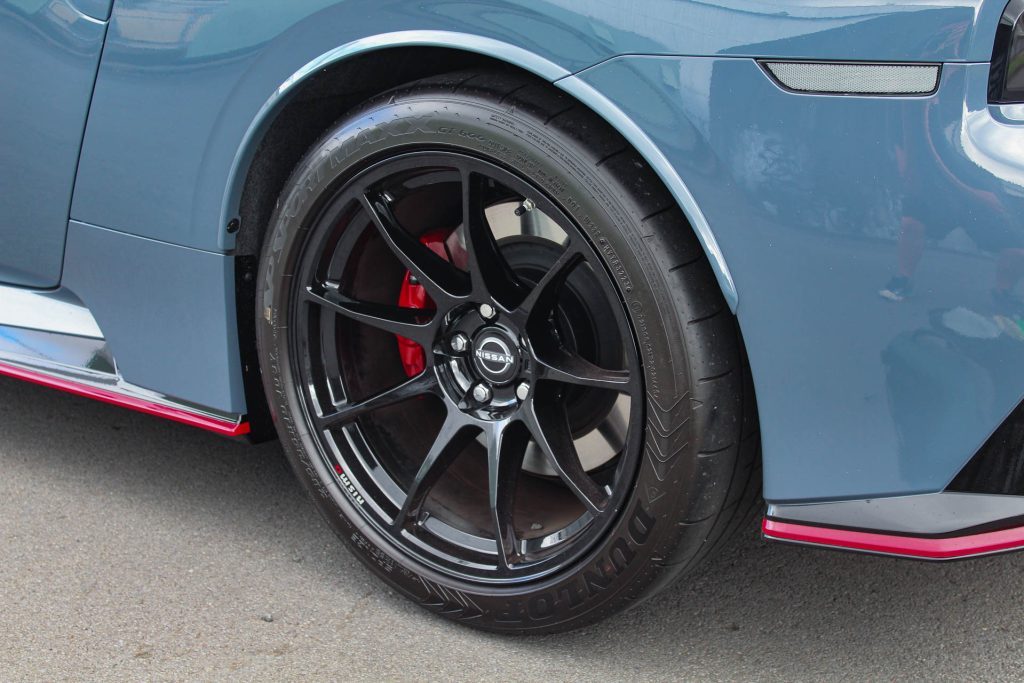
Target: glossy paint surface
(97, 9)
(812, 200)
(49, 52)
(167, 313)
(196, 72)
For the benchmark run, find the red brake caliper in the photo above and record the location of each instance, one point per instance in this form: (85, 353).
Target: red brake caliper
(413, 295)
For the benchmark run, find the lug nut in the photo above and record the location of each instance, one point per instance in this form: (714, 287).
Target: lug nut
(482, 393)
(523, 390)
(459, 343)
(487, 312)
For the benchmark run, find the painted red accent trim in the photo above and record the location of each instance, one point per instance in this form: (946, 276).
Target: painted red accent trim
(206, 422)
(945, 548)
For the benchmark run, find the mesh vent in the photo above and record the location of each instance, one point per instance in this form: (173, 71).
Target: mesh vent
(856, 79)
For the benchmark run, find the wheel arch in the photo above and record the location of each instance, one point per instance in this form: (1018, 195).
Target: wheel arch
(324, 80)
(313, 98)
(340, 79)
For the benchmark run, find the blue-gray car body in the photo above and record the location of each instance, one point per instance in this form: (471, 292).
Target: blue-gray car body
(129, 128)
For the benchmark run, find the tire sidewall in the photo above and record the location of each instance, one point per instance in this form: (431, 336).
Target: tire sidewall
(619, 568)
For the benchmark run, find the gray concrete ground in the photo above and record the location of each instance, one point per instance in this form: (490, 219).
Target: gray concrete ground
(133, 548)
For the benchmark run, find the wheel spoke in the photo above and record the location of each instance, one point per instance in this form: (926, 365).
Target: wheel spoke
(613, 429)
(441, 279)
(490, 273)
(543, 298)
(344, 413)
(548, 421)
(455, 434)
(561, 365)
(506, 447)
(407, 322)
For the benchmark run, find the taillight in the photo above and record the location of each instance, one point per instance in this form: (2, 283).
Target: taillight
(1006, 77)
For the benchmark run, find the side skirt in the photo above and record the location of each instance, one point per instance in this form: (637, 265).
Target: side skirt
(72, 355)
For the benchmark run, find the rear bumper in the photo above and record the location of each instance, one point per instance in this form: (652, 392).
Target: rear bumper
(940, 526)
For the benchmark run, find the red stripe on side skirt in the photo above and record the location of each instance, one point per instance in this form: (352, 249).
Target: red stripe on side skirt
(206, 422)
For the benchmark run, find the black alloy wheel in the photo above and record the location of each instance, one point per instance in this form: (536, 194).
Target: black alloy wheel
(498, 358)
(500, 362)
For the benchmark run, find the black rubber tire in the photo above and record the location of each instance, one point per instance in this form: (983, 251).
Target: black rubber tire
(700, 475)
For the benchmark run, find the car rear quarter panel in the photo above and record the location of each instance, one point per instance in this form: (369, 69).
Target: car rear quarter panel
(181, 83)
(858, 396)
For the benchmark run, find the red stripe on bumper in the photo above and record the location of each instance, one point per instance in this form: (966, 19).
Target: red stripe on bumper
(134, 403)
(907, 546)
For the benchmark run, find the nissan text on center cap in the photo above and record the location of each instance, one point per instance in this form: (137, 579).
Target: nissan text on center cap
(495, 357)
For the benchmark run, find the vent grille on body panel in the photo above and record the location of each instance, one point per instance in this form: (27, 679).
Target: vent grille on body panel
(839, 78)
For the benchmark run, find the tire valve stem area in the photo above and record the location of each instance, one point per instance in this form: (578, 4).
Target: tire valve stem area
(525, 207)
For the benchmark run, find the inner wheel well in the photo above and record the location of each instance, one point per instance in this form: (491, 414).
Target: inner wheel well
(319, 101)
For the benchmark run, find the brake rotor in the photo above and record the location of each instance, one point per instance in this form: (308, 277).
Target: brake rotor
(584, 322)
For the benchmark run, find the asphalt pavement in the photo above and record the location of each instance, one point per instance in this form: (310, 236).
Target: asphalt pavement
(137, 549)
